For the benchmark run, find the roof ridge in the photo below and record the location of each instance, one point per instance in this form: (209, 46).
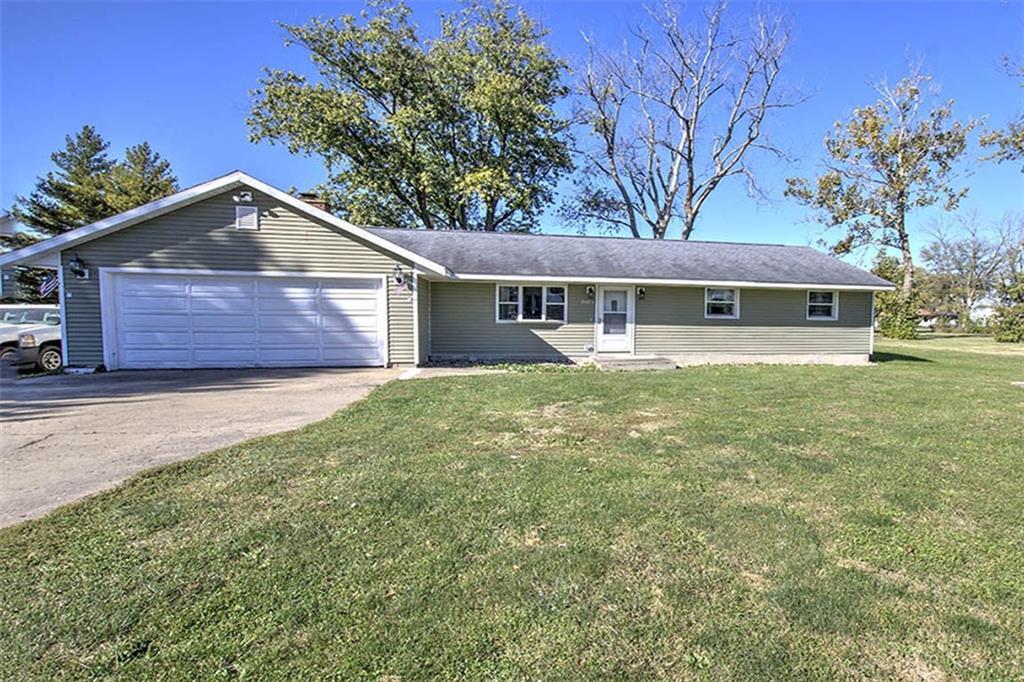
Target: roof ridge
(419, 230)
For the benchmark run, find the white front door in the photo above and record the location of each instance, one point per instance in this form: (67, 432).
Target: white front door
(615, 320)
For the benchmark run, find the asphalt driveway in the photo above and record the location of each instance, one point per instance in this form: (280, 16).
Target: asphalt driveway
(65, 437)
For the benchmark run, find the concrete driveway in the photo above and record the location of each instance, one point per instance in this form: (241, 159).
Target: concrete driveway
(65, 437)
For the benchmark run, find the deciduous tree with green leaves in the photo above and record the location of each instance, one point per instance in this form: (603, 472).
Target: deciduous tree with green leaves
(86, 186)
(453, 132)
(889, 159)
(1008, 144)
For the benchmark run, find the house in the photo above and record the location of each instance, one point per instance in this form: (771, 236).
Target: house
(234, 272)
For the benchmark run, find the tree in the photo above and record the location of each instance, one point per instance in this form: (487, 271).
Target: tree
(963, 264)
(895, 314)
(142, 176)
(75, 193)
(86, 186)
(674, 118)
(889, 159)
(1010, 273)
(1009, 143)
(457, 132)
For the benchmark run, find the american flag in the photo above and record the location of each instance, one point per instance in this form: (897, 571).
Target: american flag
(48, 286)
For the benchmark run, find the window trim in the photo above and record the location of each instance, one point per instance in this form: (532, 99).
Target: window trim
(543, 303)
(238, 216)
(818, 318)
(736, 304)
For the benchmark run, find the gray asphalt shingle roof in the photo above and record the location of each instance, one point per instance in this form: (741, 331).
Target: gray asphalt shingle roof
(482, 253)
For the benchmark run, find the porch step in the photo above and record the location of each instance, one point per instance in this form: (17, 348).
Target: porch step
(633, 364)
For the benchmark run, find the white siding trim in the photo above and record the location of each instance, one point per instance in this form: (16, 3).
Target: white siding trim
(63, 312)
(871, 327)
(416, 318)
(198, 193)
(724, 284)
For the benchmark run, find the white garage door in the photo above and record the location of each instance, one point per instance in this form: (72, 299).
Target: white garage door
(236, 321)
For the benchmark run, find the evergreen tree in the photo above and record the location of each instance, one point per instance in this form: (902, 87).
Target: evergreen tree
(141, 177)
(86, 186)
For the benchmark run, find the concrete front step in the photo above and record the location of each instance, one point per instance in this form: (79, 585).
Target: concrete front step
(633, 364)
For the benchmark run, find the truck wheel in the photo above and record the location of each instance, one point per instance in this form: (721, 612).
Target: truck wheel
(6, 352)
(50, 359)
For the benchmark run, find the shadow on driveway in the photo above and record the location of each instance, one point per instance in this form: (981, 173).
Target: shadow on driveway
(67, 436)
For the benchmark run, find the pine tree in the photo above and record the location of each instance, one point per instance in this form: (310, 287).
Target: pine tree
(141, 177)
(74, 194)
(86, 186)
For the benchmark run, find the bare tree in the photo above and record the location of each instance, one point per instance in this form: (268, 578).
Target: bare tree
(964, 263)
(672, 118)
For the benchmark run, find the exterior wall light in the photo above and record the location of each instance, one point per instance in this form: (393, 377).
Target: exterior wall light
(398, 275)
(78, 268)
(591, 292)
(641, 293)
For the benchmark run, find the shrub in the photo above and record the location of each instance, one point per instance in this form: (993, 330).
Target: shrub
(897, 316)
(1009, 324)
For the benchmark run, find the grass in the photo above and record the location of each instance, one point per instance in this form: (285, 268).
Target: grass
(712, 523)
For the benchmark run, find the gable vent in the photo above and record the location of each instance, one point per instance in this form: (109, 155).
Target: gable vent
(247, 218)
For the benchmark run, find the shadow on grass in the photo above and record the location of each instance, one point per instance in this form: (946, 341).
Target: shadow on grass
(897, 357)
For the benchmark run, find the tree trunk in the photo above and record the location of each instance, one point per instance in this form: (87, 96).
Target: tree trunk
(908, 259)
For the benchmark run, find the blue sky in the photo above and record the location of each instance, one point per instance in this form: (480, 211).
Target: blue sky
(178, 75)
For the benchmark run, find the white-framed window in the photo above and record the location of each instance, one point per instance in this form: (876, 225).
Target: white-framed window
(247, 218)
(531, 303)
(822, 305)
(721, 303)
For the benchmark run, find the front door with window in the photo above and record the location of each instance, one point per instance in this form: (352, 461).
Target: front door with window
(615, 320)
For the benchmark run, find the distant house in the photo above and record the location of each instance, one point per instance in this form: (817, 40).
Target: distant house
(235, 272)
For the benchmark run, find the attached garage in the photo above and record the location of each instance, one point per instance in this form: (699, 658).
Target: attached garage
(185, 320)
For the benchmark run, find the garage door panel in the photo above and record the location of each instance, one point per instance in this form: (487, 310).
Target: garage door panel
(160, 338)
(355, 306)
(223, 305)
(207, 321)
(289, 305)
(224, 338)
(224, 357)
(288, 288)
(154, 322)
(229, 288)
(146, 304)
(290, 356)
(239, 321)
(153, 286)
(290, 338)
(301, 322)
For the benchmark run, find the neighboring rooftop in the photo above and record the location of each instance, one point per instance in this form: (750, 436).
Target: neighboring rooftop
(555, 256)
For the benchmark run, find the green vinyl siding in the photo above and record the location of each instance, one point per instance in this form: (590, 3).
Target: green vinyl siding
(202, 236)
(670, 320)
(462, 324)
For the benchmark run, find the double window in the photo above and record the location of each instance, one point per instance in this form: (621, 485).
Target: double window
(822, 305)
(528, 303)
(723, 303)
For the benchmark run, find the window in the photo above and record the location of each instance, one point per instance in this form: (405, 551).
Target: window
(555, 302)
(247, 218)
(722, 303)
(531, 303)
(508, 304)
(822, 305)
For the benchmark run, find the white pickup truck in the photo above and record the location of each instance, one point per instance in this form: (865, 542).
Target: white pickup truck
(39, 348)
(16, 318)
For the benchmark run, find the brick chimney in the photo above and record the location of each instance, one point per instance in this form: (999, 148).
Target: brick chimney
(314, 199)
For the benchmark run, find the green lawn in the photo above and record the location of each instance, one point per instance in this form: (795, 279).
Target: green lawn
(713, 522)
